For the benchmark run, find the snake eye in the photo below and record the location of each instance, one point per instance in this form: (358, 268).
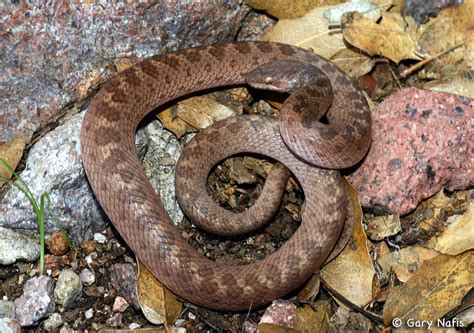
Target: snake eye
(268, 79)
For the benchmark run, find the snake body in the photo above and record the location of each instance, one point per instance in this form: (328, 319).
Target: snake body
(125, 193)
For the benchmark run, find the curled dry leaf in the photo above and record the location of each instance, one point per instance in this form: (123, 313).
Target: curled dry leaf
(11, 153)
(354, 63)
(380, 227)
(159, 305)
(313, 319)
(202, 111)
(437, 287)
(458, 236)
(453, 26)
(353, 264)
(405, 262)
(172, 122)
(395, 37)
(287, 9)
(310, 31)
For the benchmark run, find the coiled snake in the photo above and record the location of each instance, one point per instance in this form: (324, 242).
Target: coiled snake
(120, 184)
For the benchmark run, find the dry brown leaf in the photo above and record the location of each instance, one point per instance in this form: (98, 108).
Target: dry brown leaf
(436, 288)
(380, 227)
(310, 31)
(11, 153)
(355, 64)
(458, 84)
(202, 111)
(353, 264)
(173, 123)
(405, 262)
(453, 26)
(158, 304)
(395, 37)
(287, 9)
(309, 319)
(273, 328)
(311, 289)
(458, 236)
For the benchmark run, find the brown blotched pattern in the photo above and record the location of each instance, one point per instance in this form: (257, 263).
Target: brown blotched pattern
(116, 176)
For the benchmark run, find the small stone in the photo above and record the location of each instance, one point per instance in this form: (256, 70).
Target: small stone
(7, 309)
(120, 304)
(53, 322)
(9, 325)
(249, 327)
(115, 320)
(68, 288)
(100, 238)
(87, 277)
(122, 279)
(58, 243)
(88, 246)
(89, 259)
(36, 302)
(67, 329)
(89, 313)
(15, 246)
(280, 312)
(133, 326)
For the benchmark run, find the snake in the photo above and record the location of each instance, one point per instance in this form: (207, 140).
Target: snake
(318, 143)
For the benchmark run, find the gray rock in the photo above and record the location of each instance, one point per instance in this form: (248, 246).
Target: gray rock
(7, 309)
(68, 288)
(9, 325)
(159, 163)
(122, 279)
(53, 54)
(15, 246)
(53, 322)
(54, 164)
(72, 201)
(36, 302)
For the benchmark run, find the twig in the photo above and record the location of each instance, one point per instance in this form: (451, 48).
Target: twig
(420, 64)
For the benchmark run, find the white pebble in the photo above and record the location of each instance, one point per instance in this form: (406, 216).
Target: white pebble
(133, 326)
(89, 314)
(87, 277)
(100, 238)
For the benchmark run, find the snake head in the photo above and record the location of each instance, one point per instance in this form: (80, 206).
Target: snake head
(282, 76)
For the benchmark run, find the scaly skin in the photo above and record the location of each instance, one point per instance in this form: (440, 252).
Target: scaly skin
(118, 180)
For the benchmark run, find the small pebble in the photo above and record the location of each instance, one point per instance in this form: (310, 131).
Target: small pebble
(100, 238)
(68, 288)
(115, 320)
(89, 314)
(53, 322)
(120, 304)
(133, 326)
(67, 329)
(89, 260)
(87, 277)
(57, 243)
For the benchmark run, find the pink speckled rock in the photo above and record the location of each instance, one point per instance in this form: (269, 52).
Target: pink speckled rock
(422, 142)
(280, 312)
